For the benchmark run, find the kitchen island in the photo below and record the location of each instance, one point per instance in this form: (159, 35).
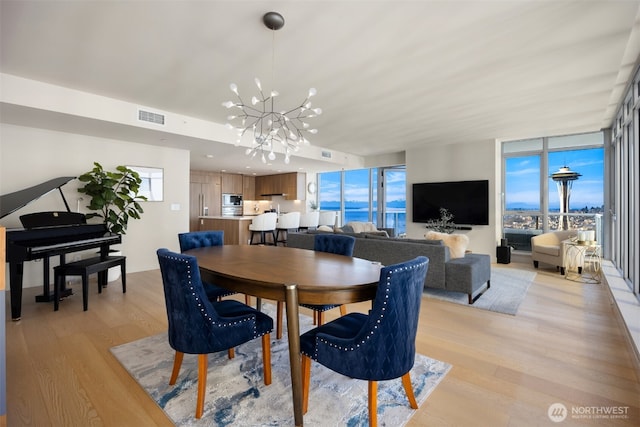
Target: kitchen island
(236, 228)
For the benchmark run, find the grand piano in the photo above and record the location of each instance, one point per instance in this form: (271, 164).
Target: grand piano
(47, 234)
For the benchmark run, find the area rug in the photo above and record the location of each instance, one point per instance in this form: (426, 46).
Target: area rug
(508, 288)
(236, 394)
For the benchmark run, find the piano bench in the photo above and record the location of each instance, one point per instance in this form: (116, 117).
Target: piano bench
(85, 268)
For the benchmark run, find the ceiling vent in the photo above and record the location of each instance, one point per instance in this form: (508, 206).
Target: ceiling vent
(326, 154)
(149, 117)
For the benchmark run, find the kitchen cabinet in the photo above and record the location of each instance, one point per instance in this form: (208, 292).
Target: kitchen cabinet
(248, 187)
(232, 183)
(205, 196)
(291, 185)
(236, 229)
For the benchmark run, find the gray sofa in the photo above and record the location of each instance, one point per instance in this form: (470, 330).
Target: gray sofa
(467, 274)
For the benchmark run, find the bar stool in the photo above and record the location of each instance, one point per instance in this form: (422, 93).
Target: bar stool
(262, 224)
(287, 222)
(309, 220)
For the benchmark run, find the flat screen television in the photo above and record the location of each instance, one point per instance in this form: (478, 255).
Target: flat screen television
(467, 201)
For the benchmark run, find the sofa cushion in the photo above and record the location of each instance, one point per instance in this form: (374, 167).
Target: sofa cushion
(457, 243)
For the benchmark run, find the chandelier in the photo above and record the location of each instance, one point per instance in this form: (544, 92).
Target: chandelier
(288, 128)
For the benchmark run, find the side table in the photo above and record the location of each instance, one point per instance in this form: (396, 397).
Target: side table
(582, 261)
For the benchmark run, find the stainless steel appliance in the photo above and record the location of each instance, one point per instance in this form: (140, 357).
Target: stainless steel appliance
(232, 205)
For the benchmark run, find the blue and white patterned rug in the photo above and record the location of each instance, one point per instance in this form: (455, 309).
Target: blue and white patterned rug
(236, 394)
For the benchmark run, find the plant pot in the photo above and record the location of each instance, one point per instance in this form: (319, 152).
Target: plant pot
(114, 273)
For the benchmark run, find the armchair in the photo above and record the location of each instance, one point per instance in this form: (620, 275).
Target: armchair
(548, 248)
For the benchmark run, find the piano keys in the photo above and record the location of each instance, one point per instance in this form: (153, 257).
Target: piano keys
(46, 234)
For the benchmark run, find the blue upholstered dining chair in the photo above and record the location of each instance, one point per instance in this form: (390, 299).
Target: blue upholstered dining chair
(339, 244)
(375, 347)
(201, 239)
(200, 326)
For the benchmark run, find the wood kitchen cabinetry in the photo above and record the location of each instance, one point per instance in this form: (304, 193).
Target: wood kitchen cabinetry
(291, 185)
(232, 183)
(248, 187)
(205, 196)
(236, 230)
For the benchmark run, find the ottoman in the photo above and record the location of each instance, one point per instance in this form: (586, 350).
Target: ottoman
(468, 274)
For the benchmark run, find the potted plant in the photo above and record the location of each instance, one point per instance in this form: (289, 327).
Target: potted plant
(114, 196)
(313, 205)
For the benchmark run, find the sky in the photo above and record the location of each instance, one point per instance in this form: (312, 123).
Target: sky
(357, 186)
(523, 183)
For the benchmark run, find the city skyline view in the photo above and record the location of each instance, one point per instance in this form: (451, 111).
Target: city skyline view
(522, 180)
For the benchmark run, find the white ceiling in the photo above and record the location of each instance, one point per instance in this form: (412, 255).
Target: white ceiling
(390, 75)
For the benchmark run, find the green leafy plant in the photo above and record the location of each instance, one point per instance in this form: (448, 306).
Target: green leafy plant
(444, 224)
(114, 196)
(313, 205)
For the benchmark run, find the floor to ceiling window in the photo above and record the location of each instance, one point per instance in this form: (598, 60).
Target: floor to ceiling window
(624, 192)
(532, 201)
(376, 195)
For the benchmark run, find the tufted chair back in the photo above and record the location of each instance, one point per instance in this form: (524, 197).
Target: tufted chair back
(203, 239)
(334, 243)
(200, 239)
(194, 324)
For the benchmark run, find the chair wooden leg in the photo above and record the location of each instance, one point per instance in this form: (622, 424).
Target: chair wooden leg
(266, 358)
(343, 310)
(279, 314)
(231, 352)
(247, 299)
(408, 388)
(315, 317)
(203, 361)
(177, 362)
(320, 318)
(306, 379)
(373, 403)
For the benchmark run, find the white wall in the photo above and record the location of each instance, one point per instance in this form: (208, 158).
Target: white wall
(458, 162)
(29, 156)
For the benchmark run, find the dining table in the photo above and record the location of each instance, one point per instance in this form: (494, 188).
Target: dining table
(295, 276)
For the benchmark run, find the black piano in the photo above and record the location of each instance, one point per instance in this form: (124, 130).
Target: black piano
(47, 234)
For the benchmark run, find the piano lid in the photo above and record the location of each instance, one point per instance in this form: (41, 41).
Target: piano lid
(11, 202)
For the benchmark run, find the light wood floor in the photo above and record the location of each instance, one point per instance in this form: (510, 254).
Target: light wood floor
(565, 345)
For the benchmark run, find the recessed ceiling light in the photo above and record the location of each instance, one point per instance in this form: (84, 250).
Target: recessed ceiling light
(209, 156)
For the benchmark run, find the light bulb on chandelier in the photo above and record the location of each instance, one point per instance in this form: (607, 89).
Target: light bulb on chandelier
(269, 127)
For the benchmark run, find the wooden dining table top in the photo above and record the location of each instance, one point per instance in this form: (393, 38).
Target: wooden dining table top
(320, 277)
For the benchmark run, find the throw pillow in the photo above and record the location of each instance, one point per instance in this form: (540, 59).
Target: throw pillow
(361, 227)
(324, 228)
(457, 243)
